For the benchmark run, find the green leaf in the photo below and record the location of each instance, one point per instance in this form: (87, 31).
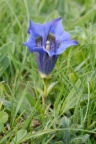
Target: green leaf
(50, 87)
(3, 117)
(4, 61)
(1, 127)
(80, 139)
(19, 136)
(20, 101)
(71, 99)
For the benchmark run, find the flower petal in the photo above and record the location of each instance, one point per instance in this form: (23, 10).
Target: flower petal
(50, 53)
(57, 27)
(58, 30)
(49, 64)
(64, 36)
(49, 25)
(45, 63)
(33, 49)
(32, 46)
(65, 45)
(37, 29)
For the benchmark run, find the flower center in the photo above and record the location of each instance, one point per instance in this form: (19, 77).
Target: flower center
(50, 42)
(47, 45)
(39, 41)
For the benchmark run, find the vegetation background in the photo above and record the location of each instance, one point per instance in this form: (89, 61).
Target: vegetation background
(70, 117)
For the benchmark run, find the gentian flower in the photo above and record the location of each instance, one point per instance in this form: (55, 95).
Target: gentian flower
(48, 41)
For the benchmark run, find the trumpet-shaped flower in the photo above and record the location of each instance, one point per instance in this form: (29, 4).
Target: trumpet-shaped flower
(48, 41)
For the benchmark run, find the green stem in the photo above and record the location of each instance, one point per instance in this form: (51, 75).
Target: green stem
(44, 93)
(43, 102)
(45, 88)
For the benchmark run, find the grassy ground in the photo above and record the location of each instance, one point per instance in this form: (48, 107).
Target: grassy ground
(70, 117)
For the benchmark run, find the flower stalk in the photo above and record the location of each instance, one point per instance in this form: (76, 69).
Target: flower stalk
(44, 96)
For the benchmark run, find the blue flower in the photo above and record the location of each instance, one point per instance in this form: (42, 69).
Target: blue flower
(47, 41)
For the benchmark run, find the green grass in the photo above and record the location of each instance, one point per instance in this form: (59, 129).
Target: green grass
(70, 117)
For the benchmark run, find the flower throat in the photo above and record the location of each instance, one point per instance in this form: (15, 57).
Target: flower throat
(50, 42)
